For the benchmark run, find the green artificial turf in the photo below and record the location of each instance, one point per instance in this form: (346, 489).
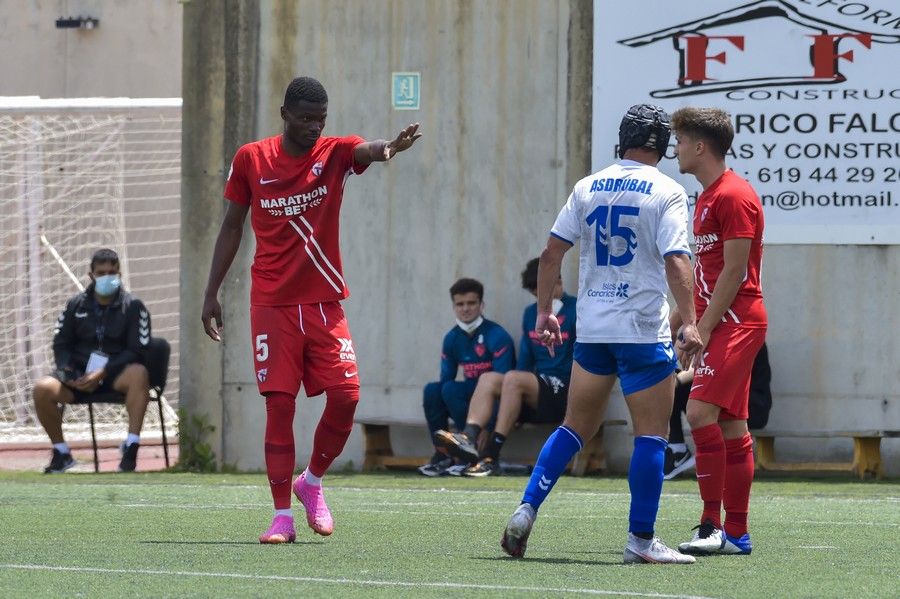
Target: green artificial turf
(402, 535)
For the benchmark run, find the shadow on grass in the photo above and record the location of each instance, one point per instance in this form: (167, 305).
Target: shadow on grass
(224, 543)
(555, 560)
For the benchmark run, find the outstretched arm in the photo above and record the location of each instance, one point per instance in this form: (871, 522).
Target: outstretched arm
(227, 244)
(381, 150)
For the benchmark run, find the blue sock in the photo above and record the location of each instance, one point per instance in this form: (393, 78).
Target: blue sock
(645, 479)
(557, 451)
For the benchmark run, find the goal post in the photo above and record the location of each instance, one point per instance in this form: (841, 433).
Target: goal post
(77, 175)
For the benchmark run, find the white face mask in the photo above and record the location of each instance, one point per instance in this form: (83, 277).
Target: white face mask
(107, 285)
(469, 327)
(557, 305)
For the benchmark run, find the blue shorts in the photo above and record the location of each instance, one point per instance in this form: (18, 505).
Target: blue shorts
(638, 365)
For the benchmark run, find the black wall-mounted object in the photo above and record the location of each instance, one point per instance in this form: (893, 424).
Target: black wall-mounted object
(77, 23)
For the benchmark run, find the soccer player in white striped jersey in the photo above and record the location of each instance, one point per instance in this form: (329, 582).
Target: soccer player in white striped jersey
(632, 223)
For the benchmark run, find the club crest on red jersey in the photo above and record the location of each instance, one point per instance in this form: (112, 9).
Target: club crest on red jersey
(316, 169)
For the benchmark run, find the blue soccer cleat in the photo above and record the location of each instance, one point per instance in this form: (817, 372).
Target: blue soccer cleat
(736, 545)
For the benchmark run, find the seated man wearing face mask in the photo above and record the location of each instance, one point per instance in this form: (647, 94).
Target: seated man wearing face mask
(478, 345)
(536, 391)
(99, 347)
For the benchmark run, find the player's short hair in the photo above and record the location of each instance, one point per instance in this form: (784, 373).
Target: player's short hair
(305, 89)
(645, 126)
(465, 285)
(104, 256)
(530, 275)
(712, 125)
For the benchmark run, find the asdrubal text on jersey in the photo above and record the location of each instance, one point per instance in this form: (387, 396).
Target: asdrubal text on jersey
(614, 185)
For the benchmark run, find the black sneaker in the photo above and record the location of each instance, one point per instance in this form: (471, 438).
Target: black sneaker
(129, 457)
(676, 463)
(437, 466)
(456, 445)
(485, 467)
(59, 462)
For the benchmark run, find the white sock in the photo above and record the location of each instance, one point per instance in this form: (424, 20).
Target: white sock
(62, 447)
(286, 512)
(132, 438)
(678, 447)
(312, 479)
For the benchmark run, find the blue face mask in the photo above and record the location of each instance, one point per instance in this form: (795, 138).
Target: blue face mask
(107, 285)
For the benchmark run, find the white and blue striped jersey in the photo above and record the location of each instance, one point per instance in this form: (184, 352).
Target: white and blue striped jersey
(628, 217)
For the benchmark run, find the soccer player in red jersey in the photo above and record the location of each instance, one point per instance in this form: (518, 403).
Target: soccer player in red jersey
(728, 231)
(292, 185)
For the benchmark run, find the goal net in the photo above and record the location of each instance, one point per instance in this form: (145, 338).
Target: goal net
(75, 176)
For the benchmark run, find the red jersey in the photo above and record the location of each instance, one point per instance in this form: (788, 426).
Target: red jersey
(729, 209)
(295, 205)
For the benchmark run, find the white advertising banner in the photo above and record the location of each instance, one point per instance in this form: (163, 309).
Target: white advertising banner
(813, 88)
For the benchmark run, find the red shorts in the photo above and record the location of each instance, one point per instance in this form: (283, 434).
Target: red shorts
(309, 343)
(723, 377)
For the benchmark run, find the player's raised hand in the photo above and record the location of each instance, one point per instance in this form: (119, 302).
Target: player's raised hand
(406, 138)
(547, 328)
(212, 310)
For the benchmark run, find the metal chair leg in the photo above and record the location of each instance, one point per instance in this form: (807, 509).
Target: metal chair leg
(94, 438)
(162, 426)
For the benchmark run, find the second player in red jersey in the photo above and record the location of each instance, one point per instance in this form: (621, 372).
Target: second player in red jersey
(292, 185)
(729, 209)
(728, 232)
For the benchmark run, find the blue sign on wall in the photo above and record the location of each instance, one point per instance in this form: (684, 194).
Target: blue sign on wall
(405, 91)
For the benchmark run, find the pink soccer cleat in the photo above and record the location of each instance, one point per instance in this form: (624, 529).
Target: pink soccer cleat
(281, 531)
(317, 514)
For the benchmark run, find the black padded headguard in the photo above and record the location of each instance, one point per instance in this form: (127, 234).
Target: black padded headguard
(645, 126)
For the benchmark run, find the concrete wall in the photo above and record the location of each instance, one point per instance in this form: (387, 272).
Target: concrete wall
(475, 197)
(833, 345)
(505, 115)
(134, 52)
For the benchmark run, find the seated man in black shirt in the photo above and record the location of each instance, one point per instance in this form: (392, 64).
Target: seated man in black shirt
(99, 346)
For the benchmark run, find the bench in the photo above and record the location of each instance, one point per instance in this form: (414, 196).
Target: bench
(866, 451)
(379, 453)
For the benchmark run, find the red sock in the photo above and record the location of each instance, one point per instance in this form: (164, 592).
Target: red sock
(334, 427)
(738, 478)
(710, 470)
(279, 447)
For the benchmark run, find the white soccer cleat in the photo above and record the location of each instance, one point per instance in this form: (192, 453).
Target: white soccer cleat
(652, 551)
(736, 545)
(707, 539)
(515, 537)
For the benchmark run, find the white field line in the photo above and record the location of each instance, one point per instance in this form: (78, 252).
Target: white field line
(349, 581)
(475, 491)
(580, 495)
(375, 509)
